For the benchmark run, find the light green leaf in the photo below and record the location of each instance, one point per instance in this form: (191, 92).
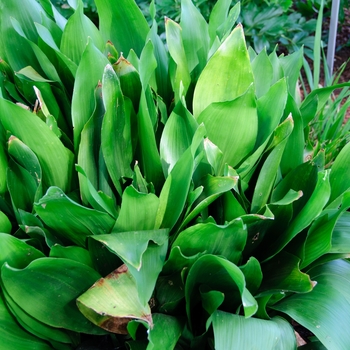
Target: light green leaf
(116, 129)
(321, 310)
(58, 282)
(55, 160)
(15, 337)
(112, 302)
(221, 275)
(146, 205)
(123, 24)
(165, 333)
(88, 75)
(237, 139)
(70, 220)
(236, 332)
(227, 75)
(75, 35)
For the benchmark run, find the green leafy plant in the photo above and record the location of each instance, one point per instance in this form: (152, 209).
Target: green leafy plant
(157, 196)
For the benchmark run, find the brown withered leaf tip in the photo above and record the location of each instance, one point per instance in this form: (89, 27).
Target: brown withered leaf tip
(113, 275)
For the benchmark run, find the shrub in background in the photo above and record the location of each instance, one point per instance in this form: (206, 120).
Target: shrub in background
(163, 196)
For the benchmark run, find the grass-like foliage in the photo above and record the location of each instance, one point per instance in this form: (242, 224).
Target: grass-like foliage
(164, 196)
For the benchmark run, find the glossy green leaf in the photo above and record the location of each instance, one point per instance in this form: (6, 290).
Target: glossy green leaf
(148, 154)
(263, 73)
(144, 254)
(321, 238)
(180, 77)
(72, 252)
(227, 75)
(294, 151)
(340, 174)
(123, 24)
(15, 337)
(112, 302)
(26, 158)
(58, 282)
(174, 193)
(340, 235)
(221, 275)
(5, 223)
(75, 35)
(146, 205)
(223, 240)
(270, 109)
(34, 326)
(176, 137)
(16, 252)
(214, 187)
(321, 310)
(89, 149)
(195, 36)
(237, 139)
(253, 274)
(165, 332)
(55, 159)
(69, 219)
(236, 332)
(83, 101)
(308, 213)
(282, 274)
(116, 129)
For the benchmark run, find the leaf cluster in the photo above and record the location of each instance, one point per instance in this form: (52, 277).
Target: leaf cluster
(161, 196)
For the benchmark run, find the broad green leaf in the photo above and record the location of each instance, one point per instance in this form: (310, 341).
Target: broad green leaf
(89, 149)
(340, 174)
(223, 240)
(97, 200)
(21, 186)
(55, 159)
(294, 151)
(236, 332)
(146, 205)
(148, 154)
(263, 73)
(129, 80)
(15, 337)
(340, 235)
(174, 193)
(282, 274)
(213, 188)
(270, 109)
(148, 65)
(217, 17)
(58, 282)
(72, 252)
(253, 274)
(34, 326)
(195, 36)
(321, 238)
(221, 275)
(291, 65)
(144, 254)
(227, 75)
(75, 35)
(112, 302)
(116, 129)
(123, 24)
(321, 310)
(180, 76)
(165, 332)
(83, 101)
(5, 223)
(16, 252)
(26, 158)
(308, 213)
(70, 220)
(176, 137)
(237, 138)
